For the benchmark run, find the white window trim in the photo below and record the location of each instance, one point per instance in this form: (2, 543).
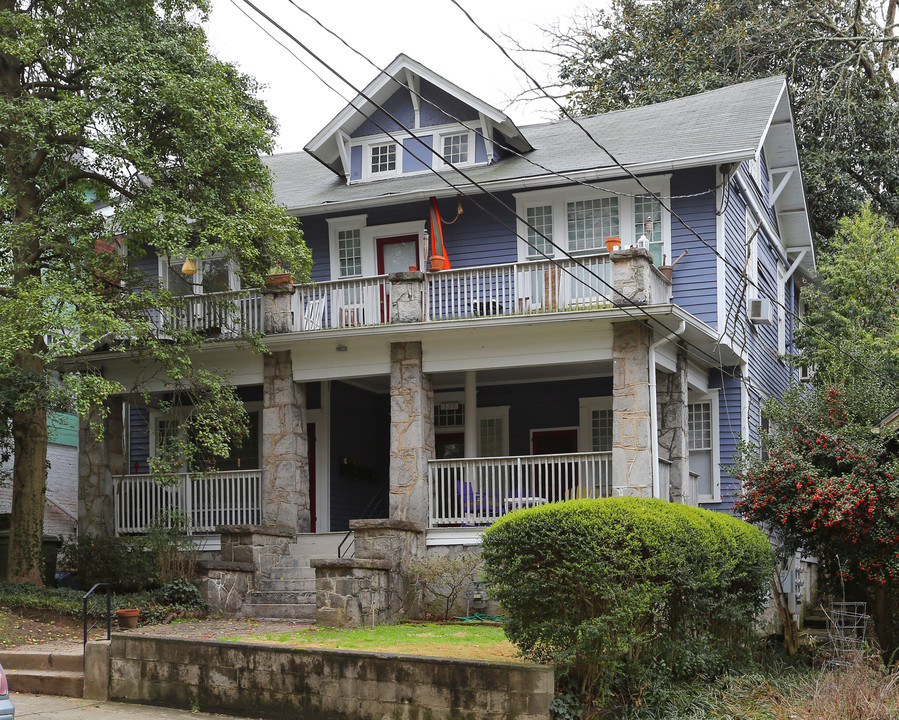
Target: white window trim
(439, 162)
(368, 237)
(559, 198)
(367, 148)
(781, 311)
(712, 398)
(500, 412)
(586, 406)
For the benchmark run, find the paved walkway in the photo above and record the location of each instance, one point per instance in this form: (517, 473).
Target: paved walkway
(63, 708)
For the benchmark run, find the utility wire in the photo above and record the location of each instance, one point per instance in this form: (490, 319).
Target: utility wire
(478, 130)
(361, 93)
(630, 173)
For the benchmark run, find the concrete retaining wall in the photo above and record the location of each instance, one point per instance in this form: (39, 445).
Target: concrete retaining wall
(278, 682)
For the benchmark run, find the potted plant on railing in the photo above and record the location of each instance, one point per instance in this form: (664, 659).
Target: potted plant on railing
(613, 243)
(127, 617)
(277, 275)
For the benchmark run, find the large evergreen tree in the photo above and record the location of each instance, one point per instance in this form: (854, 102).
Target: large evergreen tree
(115, 103)
(841, 59)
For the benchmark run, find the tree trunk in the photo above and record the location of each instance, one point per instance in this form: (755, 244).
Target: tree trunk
(29, 485)
(883, 622)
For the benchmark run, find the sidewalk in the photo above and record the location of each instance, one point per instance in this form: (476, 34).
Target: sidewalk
(63, 708)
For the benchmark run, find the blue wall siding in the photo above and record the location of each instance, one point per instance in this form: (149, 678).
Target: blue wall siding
(695, 277)
(399, 105)
(356, 162)
(145, 260)
(440, 108)
(480, 148)
(418, 153)
(360, 431)
(736, 289)
(729, 432)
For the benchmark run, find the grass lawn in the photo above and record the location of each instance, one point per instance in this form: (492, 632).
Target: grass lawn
(470, 641)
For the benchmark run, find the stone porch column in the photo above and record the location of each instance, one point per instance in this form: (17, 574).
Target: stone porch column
(99, 461)
(636, 279)
(285, 454)
(407, 296)
(277, 309)
(671, 394)
(631, 423)
(411, 433)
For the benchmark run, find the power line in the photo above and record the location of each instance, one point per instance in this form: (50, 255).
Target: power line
(477, 130)
(630, 173)
(487, 192)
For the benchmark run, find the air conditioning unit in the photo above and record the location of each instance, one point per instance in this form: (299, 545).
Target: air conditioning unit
(760, 311)
(806, 372)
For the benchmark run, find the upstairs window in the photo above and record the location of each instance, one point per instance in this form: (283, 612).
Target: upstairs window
(455, 148)
(590, 222)
(648, 224)
(383, 158)
(540, 231)
(349, 252)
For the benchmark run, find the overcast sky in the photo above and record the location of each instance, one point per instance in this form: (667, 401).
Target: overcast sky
(433, 32)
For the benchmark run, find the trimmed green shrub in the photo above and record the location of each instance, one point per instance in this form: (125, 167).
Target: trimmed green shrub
(624, 594)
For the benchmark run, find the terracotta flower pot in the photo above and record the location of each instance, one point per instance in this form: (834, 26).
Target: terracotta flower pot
(613, 243)
(438, 262)
(278, 279)
(127, 617)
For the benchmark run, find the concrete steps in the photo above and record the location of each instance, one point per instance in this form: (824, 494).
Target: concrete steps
(44, 673)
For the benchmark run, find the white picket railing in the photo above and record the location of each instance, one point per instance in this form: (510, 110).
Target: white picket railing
(519, 288)
(341, 304)
(224, 314)
(222, 498)
(478, 491)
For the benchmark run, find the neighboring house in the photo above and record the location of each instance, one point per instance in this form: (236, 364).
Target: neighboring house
(517, 376)
(61, 510)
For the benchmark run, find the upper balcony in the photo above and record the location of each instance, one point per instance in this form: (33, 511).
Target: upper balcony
(509, 290)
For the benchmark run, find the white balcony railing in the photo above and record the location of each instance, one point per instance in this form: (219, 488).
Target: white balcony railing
(519, 289)
(477, 491)
(224, 314)
(342, 303)
(220, 498)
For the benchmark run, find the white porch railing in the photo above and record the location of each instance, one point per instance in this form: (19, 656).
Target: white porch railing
(224, 313)
(518, 289)
(221, 498)
(478, 491)
(342, 303)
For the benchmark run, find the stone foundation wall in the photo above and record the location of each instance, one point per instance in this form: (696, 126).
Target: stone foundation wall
(278, 682)
(350, 592)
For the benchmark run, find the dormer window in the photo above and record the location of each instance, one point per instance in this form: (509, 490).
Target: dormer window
(456, 148)
(383, 158)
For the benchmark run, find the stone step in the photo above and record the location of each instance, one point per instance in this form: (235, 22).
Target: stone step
(290, 562)
(280, 611)
(297, 574)
(35, 660)
(316, 544)
(294, 584)
(279, 597)
(46, 682)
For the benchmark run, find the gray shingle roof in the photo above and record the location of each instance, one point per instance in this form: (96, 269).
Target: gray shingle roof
(717, 126)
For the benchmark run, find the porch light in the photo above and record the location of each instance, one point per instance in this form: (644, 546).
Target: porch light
(188, 268)
(341, 348)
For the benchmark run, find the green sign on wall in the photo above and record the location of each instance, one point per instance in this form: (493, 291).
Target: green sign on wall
(62, 429)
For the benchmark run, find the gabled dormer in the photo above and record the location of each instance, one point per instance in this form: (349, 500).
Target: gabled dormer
(411, 120)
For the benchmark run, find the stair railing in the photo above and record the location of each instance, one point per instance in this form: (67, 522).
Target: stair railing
(84, 610)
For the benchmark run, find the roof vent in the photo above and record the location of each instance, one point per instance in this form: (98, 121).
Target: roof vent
(760, 311)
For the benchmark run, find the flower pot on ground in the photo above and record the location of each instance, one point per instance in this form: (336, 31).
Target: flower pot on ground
(127, 617)
(438, 262)
(613, 243)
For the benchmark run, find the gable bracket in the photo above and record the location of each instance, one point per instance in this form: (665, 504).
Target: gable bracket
(343, 147)
(412, 82)
(780, 186)
(487, 132)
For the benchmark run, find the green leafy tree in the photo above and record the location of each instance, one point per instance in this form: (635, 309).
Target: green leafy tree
(840, 58)
(855, 308)
(829, 484)
(119, 132)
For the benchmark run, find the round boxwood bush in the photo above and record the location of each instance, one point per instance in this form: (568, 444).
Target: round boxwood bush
(622, 593)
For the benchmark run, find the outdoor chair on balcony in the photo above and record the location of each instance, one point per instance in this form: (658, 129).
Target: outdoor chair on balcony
(313, 314)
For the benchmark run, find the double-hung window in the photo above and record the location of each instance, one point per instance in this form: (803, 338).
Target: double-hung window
(383, 159)
(456, 148)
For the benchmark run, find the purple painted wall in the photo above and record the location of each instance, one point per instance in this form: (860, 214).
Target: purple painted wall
(418, 152)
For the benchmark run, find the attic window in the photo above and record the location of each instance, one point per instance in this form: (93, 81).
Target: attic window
(455, 148)
(383, 158)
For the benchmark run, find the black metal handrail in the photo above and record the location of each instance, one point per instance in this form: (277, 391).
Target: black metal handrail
(108, 611)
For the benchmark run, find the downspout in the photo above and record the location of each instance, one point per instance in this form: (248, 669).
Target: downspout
(653, 409)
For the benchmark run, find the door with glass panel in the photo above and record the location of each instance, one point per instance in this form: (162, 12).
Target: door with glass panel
(396, 254)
